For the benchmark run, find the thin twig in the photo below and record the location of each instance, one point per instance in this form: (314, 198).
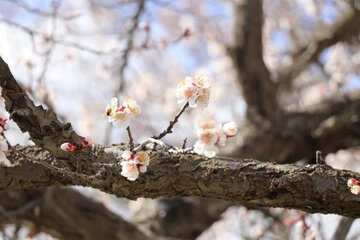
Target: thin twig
(184, 144)
(172, 123)
(319, 158)
(32, 33)
(131, 140)
(129, 47)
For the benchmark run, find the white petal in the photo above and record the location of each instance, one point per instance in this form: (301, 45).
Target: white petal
(355, 189)
(4, 161)
(181, 101)
(64, 146)
(129, 171)
(126, 154)
(142, 168)
(192, 102)
(114, 101)
(230, 129)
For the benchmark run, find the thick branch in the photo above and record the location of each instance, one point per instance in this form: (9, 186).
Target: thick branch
(73, 219)
(328, 127)
(314, 188)
(246, 51)
(43, 126)
(343, 30)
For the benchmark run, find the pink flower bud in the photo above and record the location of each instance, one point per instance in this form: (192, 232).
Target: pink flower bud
(68, 147)
(230, 129)
(352, 182)
(2, 122)
(85, 143)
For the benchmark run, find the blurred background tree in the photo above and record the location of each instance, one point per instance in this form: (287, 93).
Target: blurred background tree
(286, 71)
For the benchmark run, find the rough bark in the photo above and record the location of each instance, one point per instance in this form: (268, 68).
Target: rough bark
(76, 218)
(313, 188)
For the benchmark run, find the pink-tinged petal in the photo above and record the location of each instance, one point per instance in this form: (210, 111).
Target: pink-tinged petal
(129, 170)
(230, 129)
(128, 155)
(142, 158)
(352, 181)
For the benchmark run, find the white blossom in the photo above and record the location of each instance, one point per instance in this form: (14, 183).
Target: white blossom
(210, 138)
(142, 158)
(230, 129)
(3, 148)
(119, 115)
(134, 163)
(354, 186)
(129, 170)
(194, 90)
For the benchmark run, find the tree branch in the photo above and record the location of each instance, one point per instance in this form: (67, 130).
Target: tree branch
(343, 228)
(314, 188)
(43, 126)
(329, 126)
(51, 214)
(246, 51)
(343, 30)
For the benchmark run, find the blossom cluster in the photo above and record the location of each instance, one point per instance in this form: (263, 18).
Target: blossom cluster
(354, 186)
(134, 163)
(194, 90)
(3, 143)
(212, 135)
(119, 115)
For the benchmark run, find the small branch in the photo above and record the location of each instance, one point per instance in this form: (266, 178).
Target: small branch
(342, 30)
(184, 144)
(131, 140)
(172, 123)
(59, 41)
(28, 206)
(125, 58)
(246, 51)
(319, 158)
(343, 228)
(43, 125)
